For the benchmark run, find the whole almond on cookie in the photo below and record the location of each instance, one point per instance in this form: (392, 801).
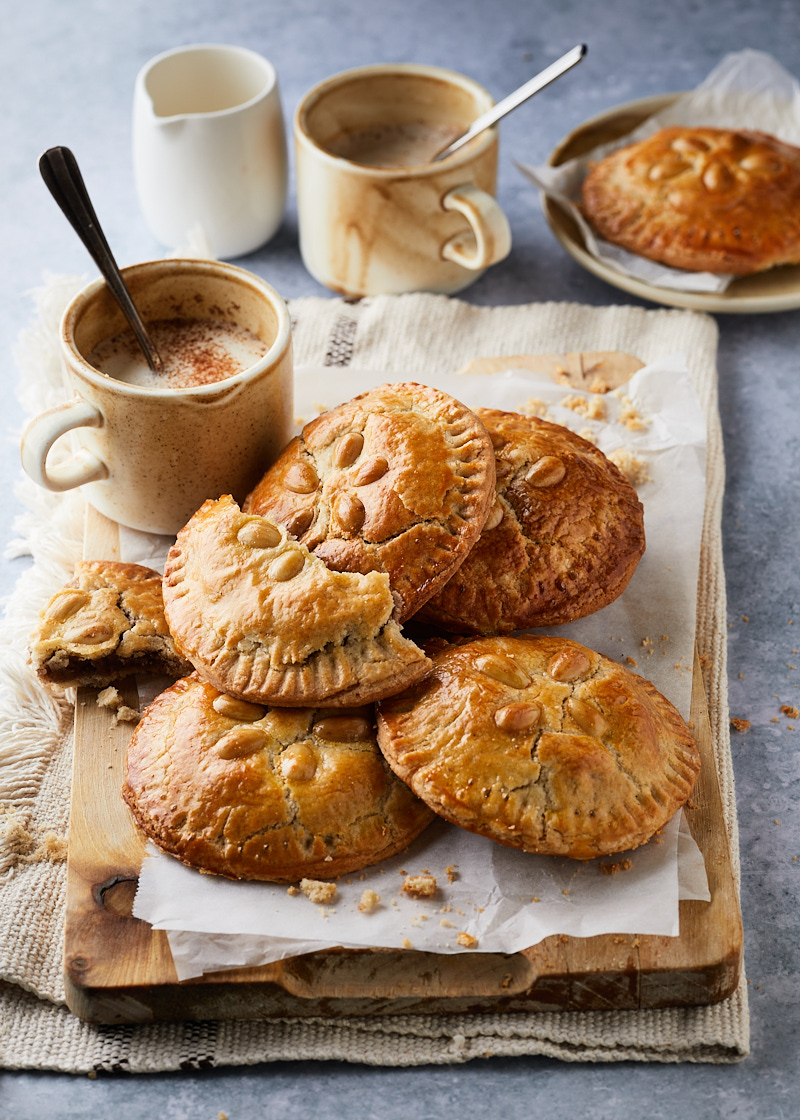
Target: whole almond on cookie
(399, 480)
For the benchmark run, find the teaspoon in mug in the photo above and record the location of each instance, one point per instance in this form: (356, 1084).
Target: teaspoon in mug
(60, 171)
(504, 107)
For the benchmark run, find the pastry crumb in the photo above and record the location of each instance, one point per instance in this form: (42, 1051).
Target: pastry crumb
(293, 890)
(112, 699)
(318, 890)
(535, 407)
(452, 874)
(27, 846)
(420, 886)
(407, 944)
(613, 868)
(740, 724)
(126, 714)
(466, 940)
(109, 698)
(629, 465)
(51, 847)
(592, 409)
(790, 712)
(368, 901)
(630, 418)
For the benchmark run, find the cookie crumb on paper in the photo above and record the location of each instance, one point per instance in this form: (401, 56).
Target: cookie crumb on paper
(318, 890)
(420, 886)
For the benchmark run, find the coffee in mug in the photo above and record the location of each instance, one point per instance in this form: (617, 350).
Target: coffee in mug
(394, 145)
(376, 213)
(148, 452)
(193, 352)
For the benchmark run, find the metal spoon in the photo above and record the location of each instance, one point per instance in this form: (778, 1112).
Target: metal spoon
(548, 75)
(60, 171)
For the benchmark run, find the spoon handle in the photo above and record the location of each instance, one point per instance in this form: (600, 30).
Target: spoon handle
(62, 176)
(533, 85)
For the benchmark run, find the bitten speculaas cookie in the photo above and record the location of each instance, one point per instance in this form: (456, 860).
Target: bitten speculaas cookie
(263, 619)
(397, 480)
(253, 792)
(106, 623)
(702, 199)
(562, 540)
(541, 744)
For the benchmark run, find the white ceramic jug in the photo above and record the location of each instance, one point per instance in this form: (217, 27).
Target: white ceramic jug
(209, 148)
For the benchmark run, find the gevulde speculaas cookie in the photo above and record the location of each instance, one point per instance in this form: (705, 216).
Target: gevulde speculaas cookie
(562, 540)
(541, 744)
(263, 619)
(700, 199)
(254, 792)
(106, 623)
(398, 480)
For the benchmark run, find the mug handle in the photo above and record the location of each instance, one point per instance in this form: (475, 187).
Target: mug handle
(489, 225)
(40, 435)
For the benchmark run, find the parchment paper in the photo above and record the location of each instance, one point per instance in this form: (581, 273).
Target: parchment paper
(489, 891)
(748, 89)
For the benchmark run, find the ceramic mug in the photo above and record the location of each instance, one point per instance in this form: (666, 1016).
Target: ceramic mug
(148, 456)
(376, 213)
(209, 147)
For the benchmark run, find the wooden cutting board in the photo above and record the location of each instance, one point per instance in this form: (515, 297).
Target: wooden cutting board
(119, 970)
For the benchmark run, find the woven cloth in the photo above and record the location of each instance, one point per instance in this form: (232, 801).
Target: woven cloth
(409, 337)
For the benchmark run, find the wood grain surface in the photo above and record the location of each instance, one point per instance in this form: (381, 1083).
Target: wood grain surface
(119, 970)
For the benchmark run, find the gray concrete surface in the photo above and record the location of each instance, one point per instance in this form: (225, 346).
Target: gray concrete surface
(66, 73)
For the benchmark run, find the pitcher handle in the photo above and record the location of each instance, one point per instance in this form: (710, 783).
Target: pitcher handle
(489, 225)
(42, 432)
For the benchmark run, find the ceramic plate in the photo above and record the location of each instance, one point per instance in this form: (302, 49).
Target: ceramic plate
(775, 290)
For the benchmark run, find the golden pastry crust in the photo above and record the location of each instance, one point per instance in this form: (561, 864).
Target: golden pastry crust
(263, 619)
(397, 480)
(700, 199)
(563, 539)
(252, 792)
(541, 744)
(106, 623)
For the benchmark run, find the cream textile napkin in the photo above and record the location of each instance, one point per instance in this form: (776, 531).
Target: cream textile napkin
(408, 336)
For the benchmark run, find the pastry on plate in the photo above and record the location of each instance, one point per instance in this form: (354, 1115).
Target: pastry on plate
(254, 792)
(398, 480)
(701, 199)
(541, 744)
(562, 540)
(105, 624)
(262, 618)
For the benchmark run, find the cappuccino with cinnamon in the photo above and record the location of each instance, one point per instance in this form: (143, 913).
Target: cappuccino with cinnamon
(194, 352)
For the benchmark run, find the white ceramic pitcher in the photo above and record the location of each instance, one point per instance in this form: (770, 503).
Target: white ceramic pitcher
(209, 148)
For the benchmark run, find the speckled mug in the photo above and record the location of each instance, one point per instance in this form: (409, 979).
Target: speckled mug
(369, 230)
(149, 457)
